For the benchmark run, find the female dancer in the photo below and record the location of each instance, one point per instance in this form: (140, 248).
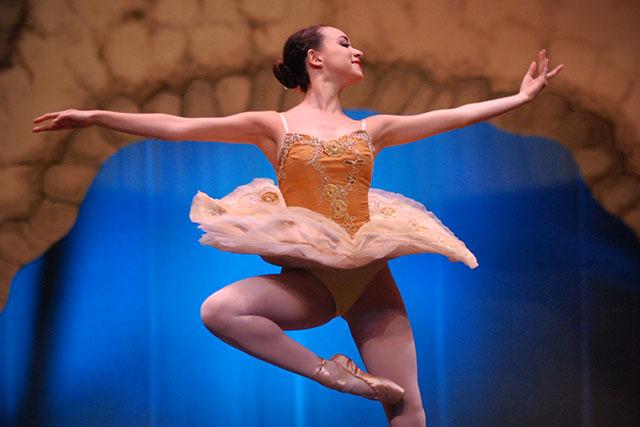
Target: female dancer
(323, 223)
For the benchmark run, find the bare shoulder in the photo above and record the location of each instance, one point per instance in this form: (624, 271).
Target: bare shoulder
(270, 123)
(261, 128)
(269, 128)
(270, 134)
(260, 124)
(376, 125)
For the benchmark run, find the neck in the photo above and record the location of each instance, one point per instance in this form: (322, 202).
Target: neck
(323, 96)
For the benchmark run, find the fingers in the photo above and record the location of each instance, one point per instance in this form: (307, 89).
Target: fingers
(50, 126)
(546, 64)
(555, 71)
(540, 61)
(45, 117)
(41, 128)
(543, 66)
(543, 62)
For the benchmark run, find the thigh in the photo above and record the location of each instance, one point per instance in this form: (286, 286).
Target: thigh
(294, 299)
(382, 332)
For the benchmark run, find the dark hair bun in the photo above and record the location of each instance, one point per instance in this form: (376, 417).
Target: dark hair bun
(291, 69)
(285, 75)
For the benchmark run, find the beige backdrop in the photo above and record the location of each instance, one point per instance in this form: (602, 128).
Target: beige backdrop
(213, 57)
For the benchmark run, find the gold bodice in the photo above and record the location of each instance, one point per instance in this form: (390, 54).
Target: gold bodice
(331, 176)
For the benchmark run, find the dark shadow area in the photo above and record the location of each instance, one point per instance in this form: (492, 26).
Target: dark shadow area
(51, 285)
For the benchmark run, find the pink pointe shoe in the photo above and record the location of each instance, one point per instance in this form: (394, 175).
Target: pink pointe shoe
(382, 389)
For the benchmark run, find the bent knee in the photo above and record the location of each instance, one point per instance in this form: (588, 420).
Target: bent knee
(216, 314)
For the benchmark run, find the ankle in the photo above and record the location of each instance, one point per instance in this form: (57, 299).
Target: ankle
(318, 367)
(322, 372)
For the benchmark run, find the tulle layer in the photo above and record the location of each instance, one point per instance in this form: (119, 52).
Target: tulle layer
(254, 219)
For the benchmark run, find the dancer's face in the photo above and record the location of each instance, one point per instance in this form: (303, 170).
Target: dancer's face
(337, 58)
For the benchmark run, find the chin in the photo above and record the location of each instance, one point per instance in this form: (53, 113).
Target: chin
(353, 79)
(357, 78)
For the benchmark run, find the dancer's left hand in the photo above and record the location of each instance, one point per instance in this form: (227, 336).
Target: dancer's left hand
(531, 86)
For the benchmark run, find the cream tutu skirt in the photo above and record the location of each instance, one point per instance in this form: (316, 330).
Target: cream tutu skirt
(254, 219)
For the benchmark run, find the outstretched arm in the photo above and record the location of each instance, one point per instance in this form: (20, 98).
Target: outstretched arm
(246, 127)
(148, 125)
(393, 130)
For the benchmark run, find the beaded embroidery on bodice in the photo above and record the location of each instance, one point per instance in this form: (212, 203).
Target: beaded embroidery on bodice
(330, 176)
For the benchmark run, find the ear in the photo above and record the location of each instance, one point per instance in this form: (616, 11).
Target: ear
(313, 56)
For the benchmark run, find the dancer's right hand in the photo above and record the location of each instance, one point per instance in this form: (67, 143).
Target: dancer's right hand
(67, 119)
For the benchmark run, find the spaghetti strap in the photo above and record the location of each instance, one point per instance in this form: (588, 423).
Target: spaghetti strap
(364, 124)
(284, 123)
